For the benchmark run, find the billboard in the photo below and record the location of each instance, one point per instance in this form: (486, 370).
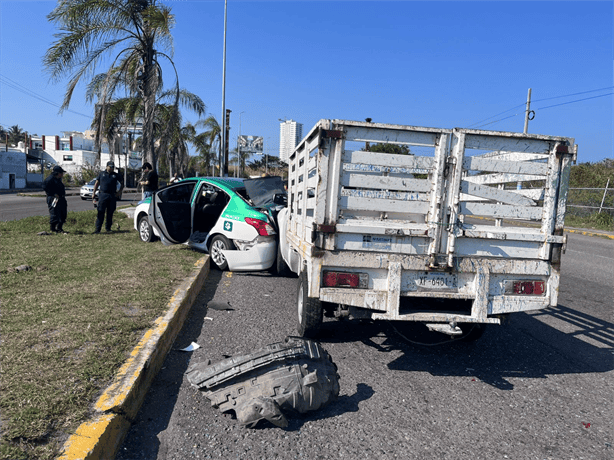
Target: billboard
(252, 144)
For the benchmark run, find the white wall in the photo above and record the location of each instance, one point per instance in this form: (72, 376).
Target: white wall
(13, 162)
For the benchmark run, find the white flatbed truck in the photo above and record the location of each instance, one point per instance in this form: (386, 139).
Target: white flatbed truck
(464, 230)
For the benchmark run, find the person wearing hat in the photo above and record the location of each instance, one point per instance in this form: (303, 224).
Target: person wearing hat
(56, 199)
(107, 180)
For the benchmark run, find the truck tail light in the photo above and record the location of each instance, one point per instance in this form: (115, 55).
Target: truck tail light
(263, 228)
(349, 280)
(528, 288)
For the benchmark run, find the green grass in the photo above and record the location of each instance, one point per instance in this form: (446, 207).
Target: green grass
(69, 323)
(594, 221)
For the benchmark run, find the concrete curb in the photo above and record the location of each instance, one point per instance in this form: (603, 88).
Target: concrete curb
(101, 437)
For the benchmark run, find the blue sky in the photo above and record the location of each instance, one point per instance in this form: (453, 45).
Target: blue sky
(439, 64)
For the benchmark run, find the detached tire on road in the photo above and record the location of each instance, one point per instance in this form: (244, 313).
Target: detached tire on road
(218, 244)
(145, 230)
(309, 310)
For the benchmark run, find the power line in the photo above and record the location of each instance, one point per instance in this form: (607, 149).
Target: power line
(22, 89)
(501, 113)
(543, 99)
(574, 94)
(571, 102)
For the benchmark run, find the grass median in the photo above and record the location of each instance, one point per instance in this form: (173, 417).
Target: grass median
(68, 323)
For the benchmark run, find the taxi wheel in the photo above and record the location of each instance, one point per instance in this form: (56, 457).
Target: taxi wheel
(310, 311)
(218, 244)
(145, 230)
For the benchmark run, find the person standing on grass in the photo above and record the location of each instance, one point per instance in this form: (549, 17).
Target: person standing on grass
(56, 199)
(149, 181)
(107, 180)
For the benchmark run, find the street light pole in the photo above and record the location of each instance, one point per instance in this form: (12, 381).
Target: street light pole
(223, 149)
(239, 148)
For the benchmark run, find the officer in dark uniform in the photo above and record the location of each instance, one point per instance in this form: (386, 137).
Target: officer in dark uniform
(107, 181)
(56, 199)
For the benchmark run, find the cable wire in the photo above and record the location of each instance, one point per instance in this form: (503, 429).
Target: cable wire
(571, 102)
(540, 100)
(22, 89)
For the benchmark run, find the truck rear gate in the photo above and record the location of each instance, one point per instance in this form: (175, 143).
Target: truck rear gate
(449, 221)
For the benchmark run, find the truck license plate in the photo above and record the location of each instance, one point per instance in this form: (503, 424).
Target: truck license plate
(436, 281)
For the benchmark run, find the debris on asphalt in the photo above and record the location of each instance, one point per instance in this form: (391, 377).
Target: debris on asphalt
(193, 346)
(215, 305)
(296, 375)
(210, 319)
(586, 425)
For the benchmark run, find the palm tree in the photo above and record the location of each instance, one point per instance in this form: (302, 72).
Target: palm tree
(15, 134)
(209, 141)
(91, 29)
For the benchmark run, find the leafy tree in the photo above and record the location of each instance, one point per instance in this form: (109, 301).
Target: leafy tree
(389, 148)
(266, 161)
(16, 134)
(92, 29)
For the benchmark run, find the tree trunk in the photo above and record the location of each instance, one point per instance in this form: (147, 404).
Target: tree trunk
(149, 105)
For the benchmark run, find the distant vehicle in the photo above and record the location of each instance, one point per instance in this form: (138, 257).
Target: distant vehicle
(88, 189)
(213, 215)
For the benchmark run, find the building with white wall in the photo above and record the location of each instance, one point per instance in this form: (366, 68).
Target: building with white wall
(290, 134)
(75, 150)
(13, 168)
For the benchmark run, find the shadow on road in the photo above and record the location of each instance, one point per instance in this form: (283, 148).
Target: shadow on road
(525, 348)
(162, 397)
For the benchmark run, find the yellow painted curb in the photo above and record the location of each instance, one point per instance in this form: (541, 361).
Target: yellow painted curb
(97, 439)
(119, 404)
(589, 233)
(567, 230)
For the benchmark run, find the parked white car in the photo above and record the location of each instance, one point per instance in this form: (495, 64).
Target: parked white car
(88, 189)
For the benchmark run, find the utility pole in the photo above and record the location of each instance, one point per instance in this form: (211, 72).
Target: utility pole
(227, 137)
(224, 146)
(238, 170)
(528, 112)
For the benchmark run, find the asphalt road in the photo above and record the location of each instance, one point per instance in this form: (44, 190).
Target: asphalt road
(14, 207)
(526, 390)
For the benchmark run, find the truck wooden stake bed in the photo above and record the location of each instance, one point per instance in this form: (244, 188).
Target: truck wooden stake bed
(465, 229)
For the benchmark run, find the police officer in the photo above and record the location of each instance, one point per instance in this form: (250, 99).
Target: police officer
(107, 180)
(56, 199)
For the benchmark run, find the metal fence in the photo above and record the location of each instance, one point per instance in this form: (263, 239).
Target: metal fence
(586, 201)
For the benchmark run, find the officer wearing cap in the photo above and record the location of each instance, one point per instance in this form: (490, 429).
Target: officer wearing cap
(108, 181)
(56, 199)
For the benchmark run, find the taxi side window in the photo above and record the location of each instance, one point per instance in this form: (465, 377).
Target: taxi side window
(178, 194)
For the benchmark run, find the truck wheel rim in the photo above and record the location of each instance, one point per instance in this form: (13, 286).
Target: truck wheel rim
(144, 230)
(216, 252)
(300, 304)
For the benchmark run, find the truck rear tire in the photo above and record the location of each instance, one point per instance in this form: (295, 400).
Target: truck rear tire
(309, 310)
